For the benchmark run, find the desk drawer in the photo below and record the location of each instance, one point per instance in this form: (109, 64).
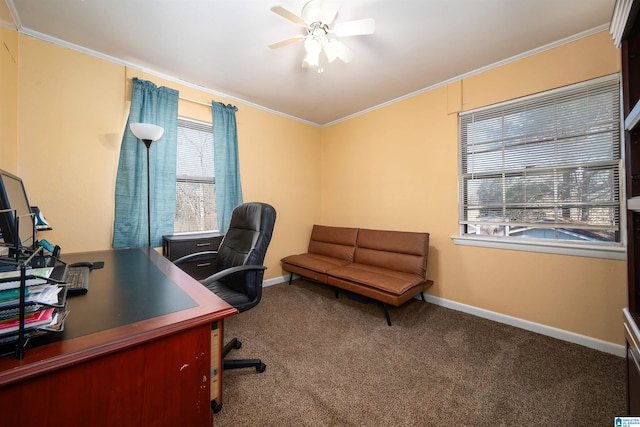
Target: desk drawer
(200, 269)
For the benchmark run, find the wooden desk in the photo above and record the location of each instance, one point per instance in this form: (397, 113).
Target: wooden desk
(136, 351)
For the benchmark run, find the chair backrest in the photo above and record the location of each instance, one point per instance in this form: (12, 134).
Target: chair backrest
(246, 243)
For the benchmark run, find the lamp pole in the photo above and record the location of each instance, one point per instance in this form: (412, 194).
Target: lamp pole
(147, 143)
(147, 133)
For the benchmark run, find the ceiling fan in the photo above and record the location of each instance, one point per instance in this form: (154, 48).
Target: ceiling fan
(317, 17)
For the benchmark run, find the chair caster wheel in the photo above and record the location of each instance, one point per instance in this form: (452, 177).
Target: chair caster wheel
(237, 345)
(261, 367)
(215, 407)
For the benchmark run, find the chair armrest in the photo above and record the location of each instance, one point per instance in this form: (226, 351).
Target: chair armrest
(223, 273)
(195, 257)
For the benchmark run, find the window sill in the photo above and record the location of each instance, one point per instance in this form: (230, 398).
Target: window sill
(607, 251)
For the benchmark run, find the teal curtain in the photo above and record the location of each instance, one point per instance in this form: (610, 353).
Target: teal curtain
(158, 106)
(226, 163)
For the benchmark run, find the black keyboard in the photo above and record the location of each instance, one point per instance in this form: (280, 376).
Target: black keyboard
(76, 277)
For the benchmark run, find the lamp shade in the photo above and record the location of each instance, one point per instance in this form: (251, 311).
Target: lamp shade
(146, 131)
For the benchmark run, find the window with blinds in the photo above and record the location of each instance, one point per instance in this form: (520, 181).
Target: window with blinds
(195, 178)
(544, 167)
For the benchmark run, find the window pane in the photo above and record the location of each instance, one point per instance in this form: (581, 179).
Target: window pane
(546, 166)
(195, 182)
(195, 210)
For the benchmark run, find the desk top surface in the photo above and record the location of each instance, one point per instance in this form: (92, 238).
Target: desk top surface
(138, 296)
(122, 294)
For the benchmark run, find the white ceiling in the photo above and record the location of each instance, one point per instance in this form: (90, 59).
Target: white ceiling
(221, 45)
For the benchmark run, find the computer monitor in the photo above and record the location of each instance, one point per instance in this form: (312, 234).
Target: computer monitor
(13, 198)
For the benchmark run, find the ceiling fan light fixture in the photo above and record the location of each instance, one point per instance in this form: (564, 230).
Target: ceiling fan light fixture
(317, 16)
(331, 50)
(313, 47)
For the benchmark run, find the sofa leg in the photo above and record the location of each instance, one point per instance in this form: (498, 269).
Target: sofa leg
(422, 295)
(386, 313)
(290, 278)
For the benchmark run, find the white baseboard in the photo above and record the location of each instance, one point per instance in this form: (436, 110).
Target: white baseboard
(277, 280)
(604, 346)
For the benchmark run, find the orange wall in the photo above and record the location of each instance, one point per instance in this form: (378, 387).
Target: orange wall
(397, 168)
(73, 109)
(9, 100)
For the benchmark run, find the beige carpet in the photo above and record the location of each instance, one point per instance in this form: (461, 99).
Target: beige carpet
(335, 362)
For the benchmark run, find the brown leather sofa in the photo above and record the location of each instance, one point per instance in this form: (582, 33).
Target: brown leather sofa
(387, 266)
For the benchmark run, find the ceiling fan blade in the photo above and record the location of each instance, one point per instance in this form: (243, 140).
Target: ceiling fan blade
(355, 28)
(336, 49)
(286, 42)
(328, 11)
(289, 15)
(324, 11)
(311, 11)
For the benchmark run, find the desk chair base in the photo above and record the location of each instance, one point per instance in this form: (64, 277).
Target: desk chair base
(240, 363)
(216, 407)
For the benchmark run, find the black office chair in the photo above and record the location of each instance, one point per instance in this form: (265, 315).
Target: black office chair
(239, 269)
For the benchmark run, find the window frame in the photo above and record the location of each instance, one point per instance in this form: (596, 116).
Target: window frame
(607, 250)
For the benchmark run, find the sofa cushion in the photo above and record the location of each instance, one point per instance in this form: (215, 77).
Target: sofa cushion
(392, 281)
(334, 242)
(315, 262)
(401, 251)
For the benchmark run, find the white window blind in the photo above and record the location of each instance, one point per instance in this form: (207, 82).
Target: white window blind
(544, 167)
(195, 178)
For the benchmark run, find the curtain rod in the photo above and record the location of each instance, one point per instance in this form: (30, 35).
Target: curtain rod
(195, 101)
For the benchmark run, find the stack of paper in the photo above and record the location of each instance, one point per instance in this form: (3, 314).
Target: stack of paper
(11, 279)
(39, 296)
(43, 294)
(34, 319)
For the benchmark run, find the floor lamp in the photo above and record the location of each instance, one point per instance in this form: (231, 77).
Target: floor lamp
(147, 133)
